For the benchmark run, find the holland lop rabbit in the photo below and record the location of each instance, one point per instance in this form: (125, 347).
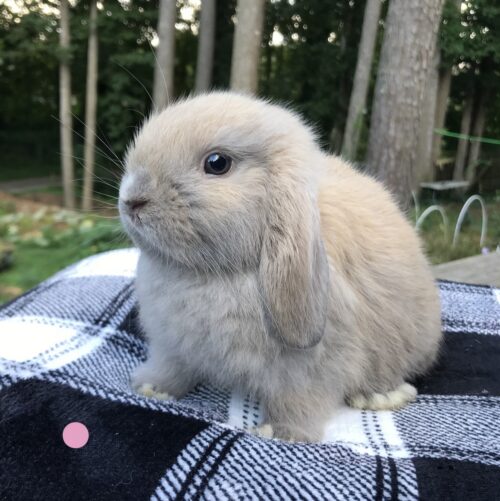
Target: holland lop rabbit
(271, 266)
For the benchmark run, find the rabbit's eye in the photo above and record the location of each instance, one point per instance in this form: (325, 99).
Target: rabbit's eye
(217, 163)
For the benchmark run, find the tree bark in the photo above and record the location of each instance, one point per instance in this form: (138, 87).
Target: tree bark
(477, 131)
(357, 102)
(246, 46)
(407, 52)
(424, 164)
(65, 117)
(463, 144)
(163, 86)
(443, 93)
(206, 42)
(90, 109)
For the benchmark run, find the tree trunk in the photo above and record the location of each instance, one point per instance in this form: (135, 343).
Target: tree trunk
(443, 93)
(246, 46)
(90, 110)
(424, 164)
(65, 117)
(163, 86)
(463, 144)
(357, 103)
(477, 131)
(206, 41)
(407, 52)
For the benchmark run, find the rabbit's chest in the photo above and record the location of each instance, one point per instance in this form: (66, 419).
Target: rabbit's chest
(216, 324)
(219, 329)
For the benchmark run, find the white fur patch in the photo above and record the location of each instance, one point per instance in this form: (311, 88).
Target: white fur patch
(149, 390)
(391, 400)
(264, 431)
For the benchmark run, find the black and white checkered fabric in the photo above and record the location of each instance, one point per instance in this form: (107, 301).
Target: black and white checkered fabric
(67, 349)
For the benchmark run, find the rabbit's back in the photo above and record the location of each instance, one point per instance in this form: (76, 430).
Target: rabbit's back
(383, 293)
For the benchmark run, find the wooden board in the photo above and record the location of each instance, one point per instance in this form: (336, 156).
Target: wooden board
(482, 269)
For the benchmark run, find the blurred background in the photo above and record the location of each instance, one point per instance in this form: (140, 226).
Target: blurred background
(407, 91)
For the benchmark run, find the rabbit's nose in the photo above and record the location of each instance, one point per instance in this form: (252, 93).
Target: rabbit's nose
(135, 204)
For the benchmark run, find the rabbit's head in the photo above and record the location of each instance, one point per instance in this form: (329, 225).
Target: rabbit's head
(223, 183)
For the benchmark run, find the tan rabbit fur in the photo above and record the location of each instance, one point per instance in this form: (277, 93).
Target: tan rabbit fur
(292, 276)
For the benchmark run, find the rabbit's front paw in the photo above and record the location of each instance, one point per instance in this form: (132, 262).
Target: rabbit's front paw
(164, 381)
(263, 431)
(151, 391)
(146, 381)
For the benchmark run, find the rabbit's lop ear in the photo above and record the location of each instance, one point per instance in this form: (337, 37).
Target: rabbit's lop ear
(293, 270)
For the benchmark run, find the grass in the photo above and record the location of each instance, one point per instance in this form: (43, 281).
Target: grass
(47, 240)
(32, 265)
(440, 250)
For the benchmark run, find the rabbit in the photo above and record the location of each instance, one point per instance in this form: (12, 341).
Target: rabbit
(271, 267)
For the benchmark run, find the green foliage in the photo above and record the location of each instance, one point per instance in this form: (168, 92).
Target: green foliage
(470, 34)
(314, 66)
(470, 42)
(312, 69)
(48, 240)
(52, 229)
(28, 68)
(126, 65)
(29, 59)
(29, 90)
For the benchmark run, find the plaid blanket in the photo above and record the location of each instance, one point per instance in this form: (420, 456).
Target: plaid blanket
(67, 349)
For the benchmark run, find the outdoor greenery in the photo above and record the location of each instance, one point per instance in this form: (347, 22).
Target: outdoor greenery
(307, 60)
(470, 41)
(47, 239)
